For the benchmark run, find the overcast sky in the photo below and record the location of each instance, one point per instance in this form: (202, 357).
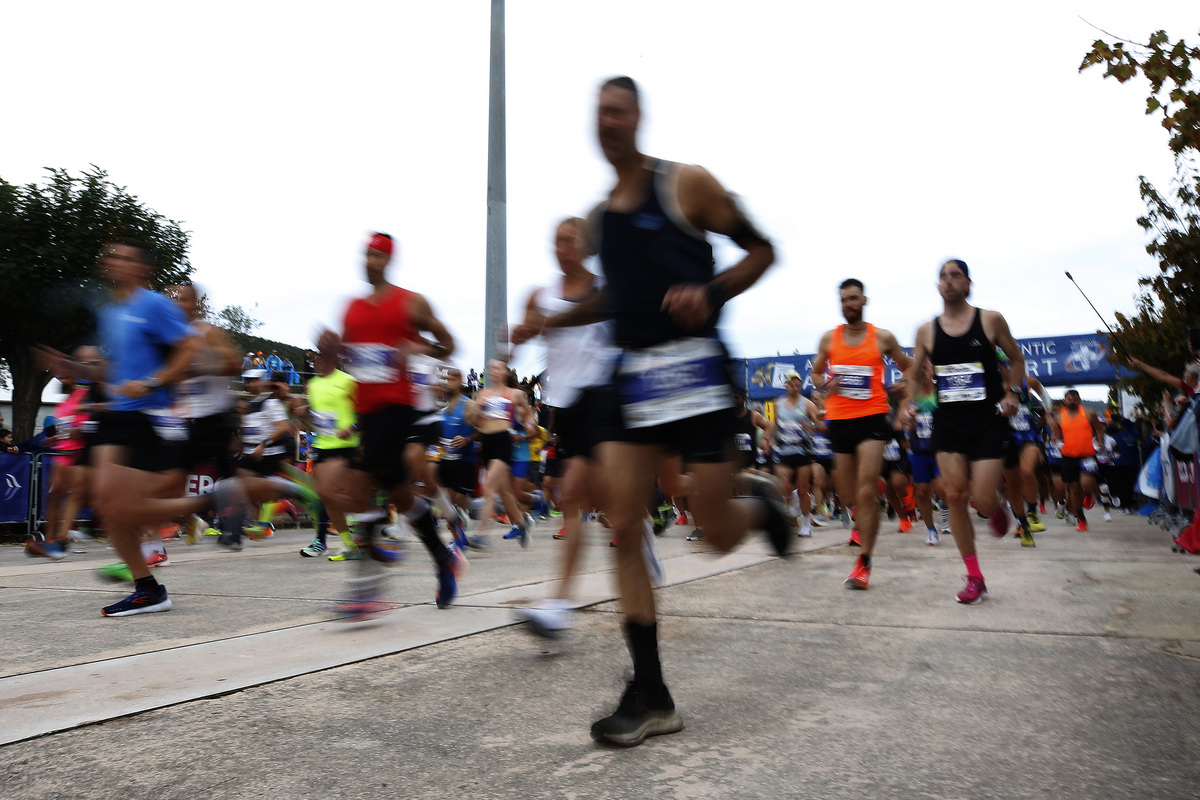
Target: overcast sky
(870, 139)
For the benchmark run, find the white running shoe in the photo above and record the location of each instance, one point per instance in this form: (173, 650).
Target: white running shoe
(806, 529)
(548, 620)
(932, 538)
(1108, 516)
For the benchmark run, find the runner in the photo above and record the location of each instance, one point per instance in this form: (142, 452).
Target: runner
(665, 300)
(135, 449)
(925, 476)
(458, 469)
(496, 411)
(1023, 458)
(331, 397)
(380, 331)
(849, 367)
(969, 434)
(1076, 426)
(792, 429)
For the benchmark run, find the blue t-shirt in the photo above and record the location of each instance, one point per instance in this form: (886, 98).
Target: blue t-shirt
(137, 335)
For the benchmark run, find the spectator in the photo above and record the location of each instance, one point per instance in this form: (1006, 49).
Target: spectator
(472, 383)
(274, 362)
(44, 440)
(310, 363)
(292, 378)
(248, 361)
(6, 442)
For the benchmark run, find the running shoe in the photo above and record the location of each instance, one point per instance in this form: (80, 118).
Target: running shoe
(806, 529)
(1060, 510)
(478, 543)
(555, 513)
(696, 535)
(1035, 522)
(1071, 518)
(158, 559)
(998, 522)
(932, 538)
(447, 587)
(316, 548)
(775, 524)
(458, 560)
(140, 602)
(347, 554)
(905, 525)
(1041, 508)
(1027, 539)
(78, 536)
(613, 543)
(230, 542)
(640, 714)
(854, 542)
(1089, 501)
(117, 573)
(257, 531)
(682, 519)
(974, 592)
(55, 551)
(364, 599)
(859, 577)
(549, 620)
(229, 500)
(562, 534)
(1081, 526)
(1108, 516)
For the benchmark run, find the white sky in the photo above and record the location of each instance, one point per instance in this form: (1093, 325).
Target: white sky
(871, 140)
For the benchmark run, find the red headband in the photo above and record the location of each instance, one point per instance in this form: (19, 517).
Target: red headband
(381, 243)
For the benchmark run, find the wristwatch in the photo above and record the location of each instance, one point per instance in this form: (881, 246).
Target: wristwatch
(152, 383)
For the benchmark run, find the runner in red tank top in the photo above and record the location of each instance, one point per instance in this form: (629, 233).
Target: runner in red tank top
(856, 412)
(380, 332)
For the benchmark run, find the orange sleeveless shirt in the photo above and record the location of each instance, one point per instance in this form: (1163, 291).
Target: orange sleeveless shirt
(1076, 434)
(861, 392)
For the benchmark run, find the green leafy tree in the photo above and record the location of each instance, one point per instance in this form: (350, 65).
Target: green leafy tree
(50, 236)
(237, 320)
(1169, 302)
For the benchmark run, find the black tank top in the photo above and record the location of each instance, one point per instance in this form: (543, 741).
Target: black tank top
(966, 371)
(643, 254)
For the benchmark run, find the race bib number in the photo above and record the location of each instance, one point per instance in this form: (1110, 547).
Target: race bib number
(744, 442)
(891, 451)
(925, 425)
(1089, 465)
(821, 447)
(790, 433)
(673, 381)
(960, 383)
(1054, 449)
(374, 363)
(1019, 421)
(855, 383)
(168, 427)
(325, 423)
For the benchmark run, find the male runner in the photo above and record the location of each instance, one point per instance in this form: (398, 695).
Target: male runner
(1023, 457)
(1076, 426)
(379, 332)
(849, 366)
(970, 431)
(331, 397)
(792, 430)
(665, 300)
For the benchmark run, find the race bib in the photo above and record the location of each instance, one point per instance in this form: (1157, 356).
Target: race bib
(673, 381)
(1019, 421)
(960, 383)
(1054, 449)
(374, 363)
(168, 427)
(744, 441)
(325, 423)
(855, 383)
(448, 452)
(891, 451)
(790, 433)
(924, 425)
(821, 447)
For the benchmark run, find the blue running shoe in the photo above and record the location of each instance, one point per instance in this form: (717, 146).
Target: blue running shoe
(447, 587)
(515, 533)
(140, 602)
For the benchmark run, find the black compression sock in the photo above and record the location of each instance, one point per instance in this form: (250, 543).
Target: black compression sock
(643, 646)
(426, 532)
(866, 560)
(147, 583)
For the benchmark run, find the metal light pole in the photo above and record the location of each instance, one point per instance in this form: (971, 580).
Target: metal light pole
(496, 298)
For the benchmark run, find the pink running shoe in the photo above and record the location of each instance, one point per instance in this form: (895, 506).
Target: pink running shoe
(998, 522)
(974, 592)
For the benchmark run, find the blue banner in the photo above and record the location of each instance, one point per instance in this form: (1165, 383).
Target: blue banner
(1053, 360)
(16, 474)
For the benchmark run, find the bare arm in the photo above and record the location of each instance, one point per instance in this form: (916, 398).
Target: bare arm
(593, 309)
(916, 365)
(424, 320)
(1005, 341)
(1162, 376)
(821, 361)
(890, 347)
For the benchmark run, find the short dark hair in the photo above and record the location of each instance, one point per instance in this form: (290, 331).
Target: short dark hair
(144, 250)
(851, 283)
(962, 265)
(624, 82)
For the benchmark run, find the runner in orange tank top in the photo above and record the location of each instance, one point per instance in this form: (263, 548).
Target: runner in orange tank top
(1075, 427)
(850, 367)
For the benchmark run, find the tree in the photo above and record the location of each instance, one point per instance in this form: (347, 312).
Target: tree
(1169, 302)
(237, 320)
(50, 235)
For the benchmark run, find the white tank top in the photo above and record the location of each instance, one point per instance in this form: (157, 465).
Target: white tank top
(203, 395)
(576, 358)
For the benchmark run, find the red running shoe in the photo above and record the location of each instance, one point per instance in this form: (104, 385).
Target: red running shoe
(905, 525)
(562, 534)
(859, 577)
(157, 559)
(974, 592)
(1089, 501)
(998, 522)
(1082, 526)
(854, 542)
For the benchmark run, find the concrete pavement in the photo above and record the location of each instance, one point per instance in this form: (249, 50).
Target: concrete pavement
(1081, 675)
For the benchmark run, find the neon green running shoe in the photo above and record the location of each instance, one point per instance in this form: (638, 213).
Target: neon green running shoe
(116, 573)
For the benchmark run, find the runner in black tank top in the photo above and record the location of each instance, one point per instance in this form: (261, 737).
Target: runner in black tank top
(671, 392)
(969, 426)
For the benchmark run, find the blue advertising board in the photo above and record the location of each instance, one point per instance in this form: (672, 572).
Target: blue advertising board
(1053, 360)
(16, 475)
